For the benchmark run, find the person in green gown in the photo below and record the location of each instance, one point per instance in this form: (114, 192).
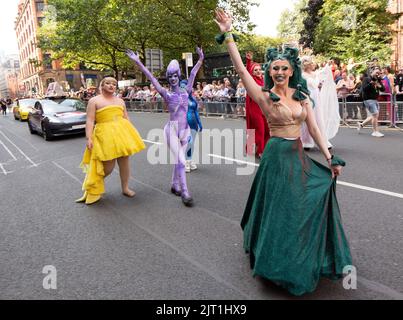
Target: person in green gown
(291, 223)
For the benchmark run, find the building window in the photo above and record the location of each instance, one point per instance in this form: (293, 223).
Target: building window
(40, 6)
(47, 61)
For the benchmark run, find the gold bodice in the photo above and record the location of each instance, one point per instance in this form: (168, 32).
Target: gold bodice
(283, 123)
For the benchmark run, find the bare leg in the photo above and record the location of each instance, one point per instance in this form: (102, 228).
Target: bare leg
(124, 170)
(375, 121)
(108, 167)
(367, 120)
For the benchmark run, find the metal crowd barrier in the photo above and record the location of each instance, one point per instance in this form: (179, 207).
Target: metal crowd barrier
(224, 109)
(352, 110)
(399, 109)
(157, 106)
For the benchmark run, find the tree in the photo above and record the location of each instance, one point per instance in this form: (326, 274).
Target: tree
(310, 22)
(83, 31)
(358, 29)
(291, 22)
(97, 32)
(258, 45)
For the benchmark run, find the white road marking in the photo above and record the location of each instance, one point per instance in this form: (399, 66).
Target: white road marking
(19, 150)
(357, 186)
(2, 169)
(153, 142)
(22, 138)
(234, 160)
(347, 184)
(67, 172)
(8, 150)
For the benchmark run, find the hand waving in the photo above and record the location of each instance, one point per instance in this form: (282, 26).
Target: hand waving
(223, 20)
(249, 55)
(133, 56)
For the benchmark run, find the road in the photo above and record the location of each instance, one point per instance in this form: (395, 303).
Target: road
(153, 247)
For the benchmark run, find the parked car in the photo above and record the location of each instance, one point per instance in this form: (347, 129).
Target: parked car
(22, 108)
(51, 119)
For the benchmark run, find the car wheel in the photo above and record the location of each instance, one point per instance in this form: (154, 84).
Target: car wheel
(31, 130)
(15, 117)
(47, 135)
(21, 120)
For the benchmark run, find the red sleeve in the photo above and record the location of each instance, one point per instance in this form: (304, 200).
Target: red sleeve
(249, 64)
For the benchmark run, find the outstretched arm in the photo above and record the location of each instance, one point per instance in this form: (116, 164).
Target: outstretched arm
(224, 21)
(195, 70)
(249, 60)
(135, 57)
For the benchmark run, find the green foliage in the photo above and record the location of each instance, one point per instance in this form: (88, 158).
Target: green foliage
(97, 32)
(291, 22)
(357, 29)
(258, 45)
(310, 22)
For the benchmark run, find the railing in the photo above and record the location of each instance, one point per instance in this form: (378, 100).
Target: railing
(398, 112)
(226, 109)
(351, 109)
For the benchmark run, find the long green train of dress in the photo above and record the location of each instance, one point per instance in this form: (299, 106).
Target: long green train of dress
(292, 223)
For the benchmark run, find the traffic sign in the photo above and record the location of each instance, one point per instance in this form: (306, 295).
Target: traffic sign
(154, 59)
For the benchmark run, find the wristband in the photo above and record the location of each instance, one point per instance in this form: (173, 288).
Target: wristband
(336, 161)
(226, 37)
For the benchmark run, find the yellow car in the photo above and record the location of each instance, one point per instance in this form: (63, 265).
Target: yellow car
(22, 108)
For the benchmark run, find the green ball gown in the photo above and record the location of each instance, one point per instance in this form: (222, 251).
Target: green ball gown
(292, 224)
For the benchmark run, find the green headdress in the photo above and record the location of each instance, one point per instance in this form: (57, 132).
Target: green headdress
(296, 81)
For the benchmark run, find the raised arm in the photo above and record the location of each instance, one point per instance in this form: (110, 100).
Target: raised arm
(195, 70)
(224, 21)
(135, 57)
(249, 61)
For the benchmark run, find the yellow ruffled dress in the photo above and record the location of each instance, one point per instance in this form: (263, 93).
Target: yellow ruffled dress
(113, 137)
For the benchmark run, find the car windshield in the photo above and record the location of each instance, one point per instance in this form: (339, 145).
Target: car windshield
(27, 103)
(53, 107)
(73, 103)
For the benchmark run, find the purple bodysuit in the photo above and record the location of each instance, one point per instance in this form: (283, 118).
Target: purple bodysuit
(177, 131)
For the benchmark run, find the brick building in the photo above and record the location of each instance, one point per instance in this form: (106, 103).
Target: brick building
(396, 6)
(38, 70)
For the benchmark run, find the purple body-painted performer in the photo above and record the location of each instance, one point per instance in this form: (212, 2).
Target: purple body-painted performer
(177, 131)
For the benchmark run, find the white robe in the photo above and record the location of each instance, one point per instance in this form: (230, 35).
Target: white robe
(326, 108)
(329, 102)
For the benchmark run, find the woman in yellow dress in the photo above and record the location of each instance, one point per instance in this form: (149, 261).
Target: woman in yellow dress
(111, 137)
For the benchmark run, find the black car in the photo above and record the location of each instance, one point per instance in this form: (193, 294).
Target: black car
(51, 118)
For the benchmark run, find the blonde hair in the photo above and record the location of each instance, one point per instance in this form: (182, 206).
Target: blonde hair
(101, 84)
